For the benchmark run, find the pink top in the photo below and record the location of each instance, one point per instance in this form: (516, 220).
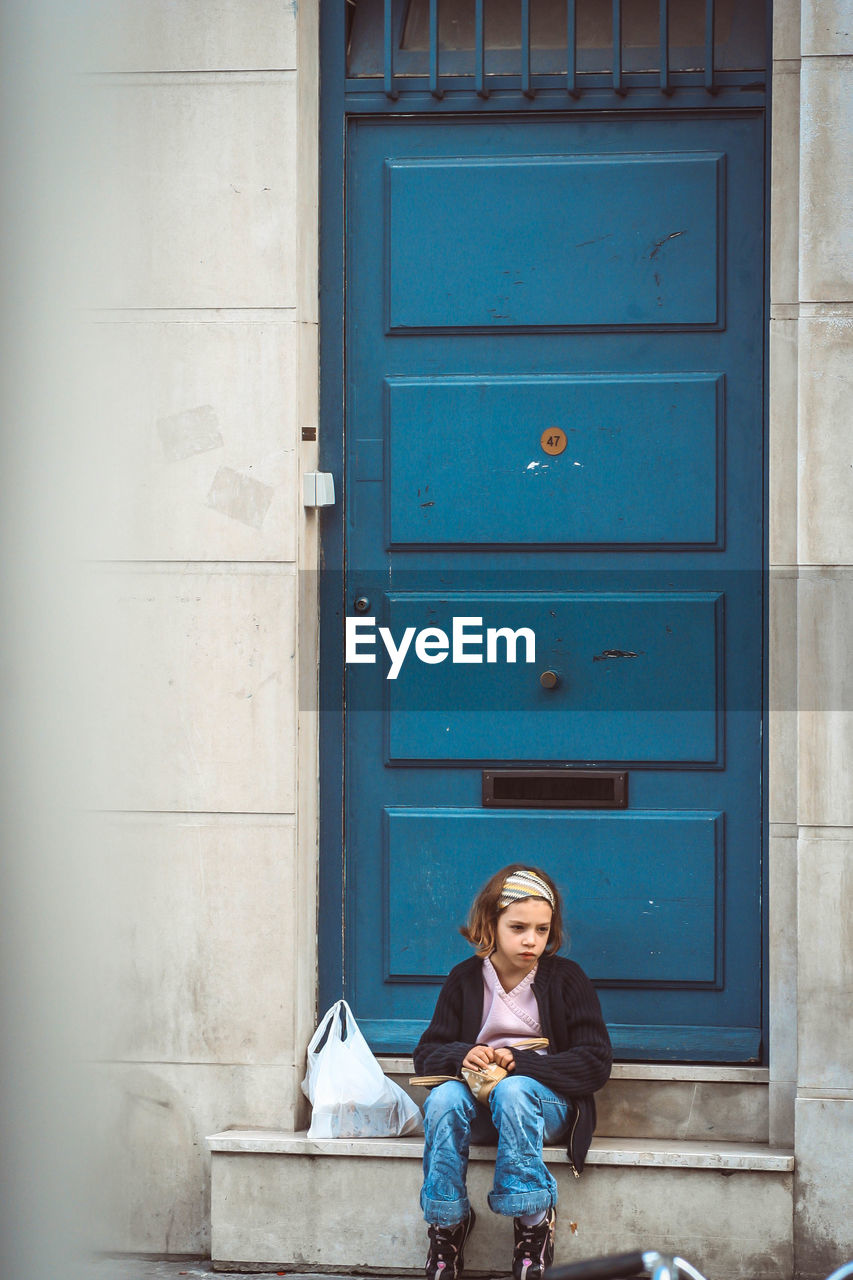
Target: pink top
(508, 1015)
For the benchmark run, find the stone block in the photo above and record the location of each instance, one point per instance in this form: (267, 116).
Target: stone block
(786, 29)
(782, 712)
(365, 1216)
(784, 185)
(824, 1227)
(663, 1108)
(198, 183)
(196, 440)
(308, 161)
(824, 794)
(682, 1109)
(825, 963)
(193, 932)
(148, 1159)
(192, 682)
(826, 180)
(781, 1098)
(783, 964)
(827, 28)
(825, 499)
(309, 375)
(193, 35)
(783, 441)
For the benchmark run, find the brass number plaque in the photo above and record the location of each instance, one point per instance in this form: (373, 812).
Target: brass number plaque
(553, 440)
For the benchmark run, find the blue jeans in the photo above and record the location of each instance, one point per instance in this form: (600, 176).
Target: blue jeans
(520, 1115)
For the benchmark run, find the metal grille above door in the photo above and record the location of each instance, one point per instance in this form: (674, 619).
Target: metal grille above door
(580, 45)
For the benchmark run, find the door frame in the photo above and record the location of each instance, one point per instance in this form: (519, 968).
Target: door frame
(337, 106)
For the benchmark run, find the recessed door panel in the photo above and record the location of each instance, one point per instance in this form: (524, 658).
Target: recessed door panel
(646, 899)
(637, 678)
(615, 239)
(635, 460)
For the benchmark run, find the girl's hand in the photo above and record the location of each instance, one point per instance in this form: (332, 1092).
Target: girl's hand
(478, 1058)
(504, 1058)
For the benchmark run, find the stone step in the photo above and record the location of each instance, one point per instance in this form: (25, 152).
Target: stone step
(283, 1201)
(664, 1100)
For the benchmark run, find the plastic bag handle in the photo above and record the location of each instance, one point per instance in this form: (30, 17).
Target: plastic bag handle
(324, 1037)
(329, 1021)
(341, 1008)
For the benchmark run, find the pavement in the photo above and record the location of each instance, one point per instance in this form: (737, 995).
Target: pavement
(128, 1267)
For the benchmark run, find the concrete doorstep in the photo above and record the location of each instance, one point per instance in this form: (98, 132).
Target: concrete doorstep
(347, 1206)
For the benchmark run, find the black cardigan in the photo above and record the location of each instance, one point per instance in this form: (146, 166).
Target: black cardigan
(579, 1054)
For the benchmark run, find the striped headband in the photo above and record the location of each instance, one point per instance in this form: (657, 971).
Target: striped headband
(524, 884)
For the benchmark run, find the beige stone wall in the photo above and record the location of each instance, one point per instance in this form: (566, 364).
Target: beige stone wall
(812, 555)
(204, 359)
(205, 344)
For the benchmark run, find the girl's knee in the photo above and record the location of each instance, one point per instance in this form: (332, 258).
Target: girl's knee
(512, 1091)
(512, 1086)
(452, 1096)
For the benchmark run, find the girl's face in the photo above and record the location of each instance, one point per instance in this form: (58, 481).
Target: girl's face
(521, 936)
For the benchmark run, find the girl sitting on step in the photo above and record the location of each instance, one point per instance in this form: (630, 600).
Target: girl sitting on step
(514, 988)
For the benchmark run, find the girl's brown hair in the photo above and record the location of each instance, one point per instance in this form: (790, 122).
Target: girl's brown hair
(483, 916)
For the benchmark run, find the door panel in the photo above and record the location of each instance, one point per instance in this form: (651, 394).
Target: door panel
(638, 679)
(602, 276)
(657, 876)
(643, 462)
(622, 240)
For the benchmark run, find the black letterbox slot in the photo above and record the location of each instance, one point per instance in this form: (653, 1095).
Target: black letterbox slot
(554, 789)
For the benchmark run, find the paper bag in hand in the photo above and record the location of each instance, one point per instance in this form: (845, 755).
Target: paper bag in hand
(481, 1083)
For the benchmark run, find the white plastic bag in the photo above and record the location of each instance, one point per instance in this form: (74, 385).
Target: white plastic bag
(350, 1095)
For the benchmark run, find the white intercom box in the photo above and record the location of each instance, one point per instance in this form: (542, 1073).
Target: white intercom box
(318, 489)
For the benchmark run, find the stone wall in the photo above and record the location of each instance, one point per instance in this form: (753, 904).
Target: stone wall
(815, 313)
(203, 349)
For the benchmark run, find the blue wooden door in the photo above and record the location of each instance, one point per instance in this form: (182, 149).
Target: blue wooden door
(509, 280)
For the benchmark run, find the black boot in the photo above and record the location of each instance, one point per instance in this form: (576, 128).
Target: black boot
(446, 1256)
(534, 1247)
